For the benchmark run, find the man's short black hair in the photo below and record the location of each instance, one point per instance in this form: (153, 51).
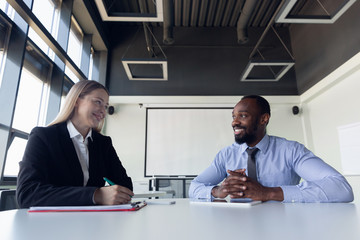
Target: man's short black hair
(261, 102)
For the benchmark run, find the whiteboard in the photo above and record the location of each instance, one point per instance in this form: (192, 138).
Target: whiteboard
(184, 141)
(349, 148)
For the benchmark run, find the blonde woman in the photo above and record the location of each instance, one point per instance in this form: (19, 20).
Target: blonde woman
(65, 162)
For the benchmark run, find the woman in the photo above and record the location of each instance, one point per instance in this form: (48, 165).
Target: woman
(64, 163)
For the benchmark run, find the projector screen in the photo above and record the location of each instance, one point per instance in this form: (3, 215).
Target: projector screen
(183, 142)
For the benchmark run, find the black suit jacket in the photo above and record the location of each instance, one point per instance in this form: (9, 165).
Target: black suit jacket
(50, 172)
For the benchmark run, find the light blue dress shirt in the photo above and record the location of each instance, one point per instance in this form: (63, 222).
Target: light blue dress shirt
(279, 163)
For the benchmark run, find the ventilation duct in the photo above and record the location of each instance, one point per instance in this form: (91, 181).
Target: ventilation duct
(168, 37)
(245, 15)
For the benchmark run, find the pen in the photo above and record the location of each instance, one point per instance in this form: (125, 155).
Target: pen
(111, 183)
(134, 204)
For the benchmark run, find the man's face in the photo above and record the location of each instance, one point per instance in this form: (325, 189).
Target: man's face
(246, 117)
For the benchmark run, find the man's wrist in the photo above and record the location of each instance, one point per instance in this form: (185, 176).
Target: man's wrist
(214, 191)
(275, 193)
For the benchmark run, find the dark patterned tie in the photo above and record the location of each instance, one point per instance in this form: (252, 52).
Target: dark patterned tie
(251, 163)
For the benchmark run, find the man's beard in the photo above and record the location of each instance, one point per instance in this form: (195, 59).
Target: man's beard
(245, 138)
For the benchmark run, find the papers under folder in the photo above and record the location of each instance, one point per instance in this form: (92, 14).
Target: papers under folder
(97, 208)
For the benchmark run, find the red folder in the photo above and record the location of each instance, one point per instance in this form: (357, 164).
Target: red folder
(97, 208)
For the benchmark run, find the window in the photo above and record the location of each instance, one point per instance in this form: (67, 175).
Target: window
(4, 39)
(31, 104)
(15, 151)
(91, 64)
(66, 88)
(47, 11)
(74, 47)
(10, 12)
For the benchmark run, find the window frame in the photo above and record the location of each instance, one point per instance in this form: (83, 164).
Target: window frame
(42, 110)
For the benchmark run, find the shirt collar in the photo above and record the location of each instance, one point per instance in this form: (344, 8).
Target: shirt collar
(262, 145)
(73, 132)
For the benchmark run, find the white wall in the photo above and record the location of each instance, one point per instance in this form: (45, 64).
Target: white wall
(126, 127)
(332, 103)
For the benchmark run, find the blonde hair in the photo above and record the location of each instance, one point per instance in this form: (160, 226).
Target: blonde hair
(79, 90)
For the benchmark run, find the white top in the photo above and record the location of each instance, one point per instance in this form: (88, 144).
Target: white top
(81, 147)
(182, 220)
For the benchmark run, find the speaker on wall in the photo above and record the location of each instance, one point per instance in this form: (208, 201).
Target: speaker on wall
(295, 110)
(111, 110)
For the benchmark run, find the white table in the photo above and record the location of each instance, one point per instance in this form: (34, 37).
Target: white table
(183, 220)
(149, 194)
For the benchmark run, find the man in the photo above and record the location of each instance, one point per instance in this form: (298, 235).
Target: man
(277, 169)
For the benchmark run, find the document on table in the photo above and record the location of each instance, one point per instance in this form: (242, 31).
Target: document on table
(149, 194)
(98, 208)
(238, 202)
(160, 202)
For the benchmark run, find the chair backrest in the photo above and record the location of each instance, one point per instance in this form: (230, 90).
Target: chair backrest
(164, 183)
(8, 200)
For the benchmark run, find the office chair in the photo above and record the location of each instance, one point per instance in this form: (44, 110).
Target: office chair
(8, 200)
(165, 183)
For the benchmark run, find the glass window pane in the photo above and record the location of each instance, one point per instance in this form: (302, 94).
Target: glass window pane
(66, 88)
(71, 75)
(33, 92)
(91, 63)
(75, 42)
(38, 41)
(74, 48)
(10, 12)
(14, 156)
(4, 39)
(3, 5)
(28, 102)
(44, 11)
(48, 14)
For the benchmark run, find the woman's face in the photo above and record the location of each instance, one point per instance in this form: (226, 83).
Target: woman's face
(90, 110)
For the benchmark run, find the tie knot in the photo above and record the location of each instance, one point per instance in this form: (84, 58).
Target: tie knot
(252, 151)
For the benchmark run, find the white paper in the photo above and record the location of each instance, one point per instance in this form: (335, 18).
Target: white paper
(245, 202)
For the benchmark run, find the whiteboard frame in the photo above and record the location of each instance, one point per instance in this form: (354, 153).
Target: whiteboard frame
(146, 137)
